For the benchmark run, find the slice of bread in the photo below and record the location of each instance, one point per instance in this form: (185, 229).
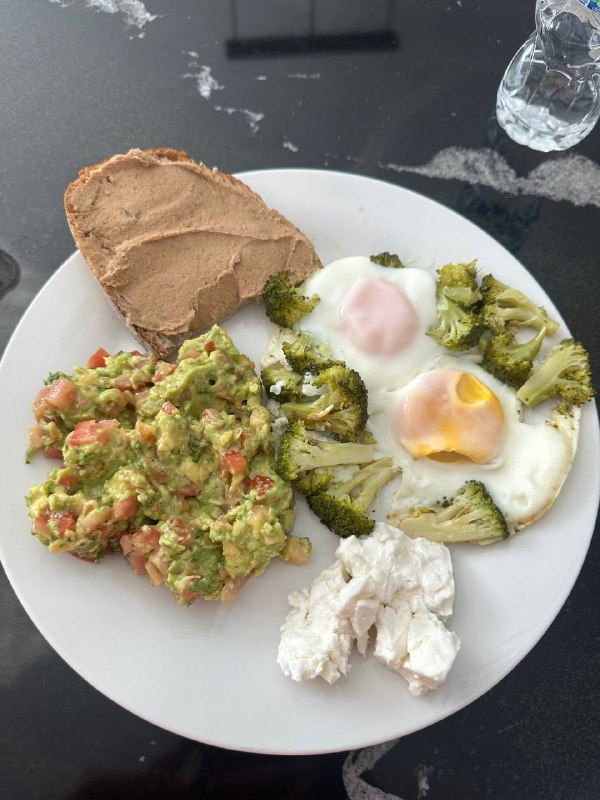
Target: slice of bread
(177, 246)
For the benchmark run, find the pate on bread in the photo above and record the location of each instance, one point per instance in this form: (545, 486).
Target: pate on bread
(178, 246)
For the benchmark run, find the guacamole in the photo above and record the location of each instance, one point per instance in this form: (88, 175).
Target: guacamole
(169, 464)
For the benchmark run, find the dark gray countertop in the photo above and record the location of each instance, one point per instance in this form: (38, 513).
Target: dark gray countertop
(400, 91)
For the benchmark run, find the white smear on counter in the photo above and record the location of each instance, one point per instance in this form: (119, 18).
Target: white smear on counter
(202, 74)
(423, 787)
(290, 146)
(260, 78)
(134, 11)
(573, 178)
(313, 76)
(359, 761)
(253, 118)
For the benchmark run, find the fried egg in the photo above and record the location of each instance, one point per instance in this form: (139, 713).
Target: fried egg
(442, 416)
(374, 318)
(455, 422)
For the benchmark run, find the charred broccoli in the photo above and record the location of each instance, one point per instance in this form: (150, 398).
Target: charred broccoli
(300, 451)
(508, 360)
(506, 307)
(316, 480)
(306, 354)
(459, 325)
(565, 373)
(284, 304)
(458, 282)
(471, 516)
(387, 260)
(341, 409)
(457, 328)
(344, 507)
(281, 383)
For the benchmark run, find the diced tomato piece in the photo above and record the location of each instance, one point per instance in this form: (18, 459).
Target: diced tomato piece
(98, 359)
(68, 481)
(61, 394)
(168, 407)
(66, 522)
(162, 371)
(53, 451)
(40, 404)
(243, 437)
(261, 484)
(125, 508)
(126, 542)
(210, 347)
(145, 540)
(150, 537)
(90, 431)
(40, 525)
(234, 462)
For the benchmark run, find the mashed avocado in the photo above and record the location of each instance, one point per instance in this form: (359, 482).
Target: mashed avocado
(169, 464)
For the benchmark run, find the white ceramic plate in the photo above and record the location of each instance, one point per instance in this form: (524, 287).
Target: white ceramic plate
(209, 672)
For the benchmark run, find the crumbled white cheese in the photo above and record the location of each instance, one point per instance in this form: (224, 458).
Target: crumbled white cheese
(415, 643)
(277, 387)
(402, 586)
(315, 639)
(308, 387)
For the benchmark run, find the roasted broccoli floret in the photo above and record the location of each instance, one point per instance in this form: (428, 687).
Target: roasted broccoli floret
(341, 409)
(458, 282)
(288, 384)
(459, 325)
(565, 372)
(344, 507)
(284, 304)
(457, 328)
(316, 480)
(387, 260)
(503, 306)
(508, 360)
(306, 354)
(300, 451)
(471, 516)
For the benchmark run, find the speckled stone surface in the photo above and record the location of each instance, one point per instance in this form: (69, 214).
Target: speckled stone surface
(401, 91)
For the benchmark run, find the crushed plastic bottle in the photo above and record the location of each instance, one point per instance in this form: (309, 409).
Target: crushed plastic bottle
(549, 98)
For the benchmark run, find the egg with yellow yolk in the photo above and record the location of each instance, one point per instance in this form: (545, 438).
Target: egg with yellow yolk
(462, 424)
(448, 413)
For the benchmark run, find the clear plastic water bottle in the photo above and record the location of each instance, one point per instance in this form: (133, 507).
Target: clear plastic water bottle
(549, 98)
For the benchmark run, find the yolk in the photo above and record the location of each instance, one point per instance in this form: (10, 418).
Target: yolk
(450, 415)
(377, 317)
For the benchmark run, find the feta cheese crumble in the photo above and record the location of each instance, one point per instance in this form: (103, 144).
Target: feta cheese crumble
(401, 586)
